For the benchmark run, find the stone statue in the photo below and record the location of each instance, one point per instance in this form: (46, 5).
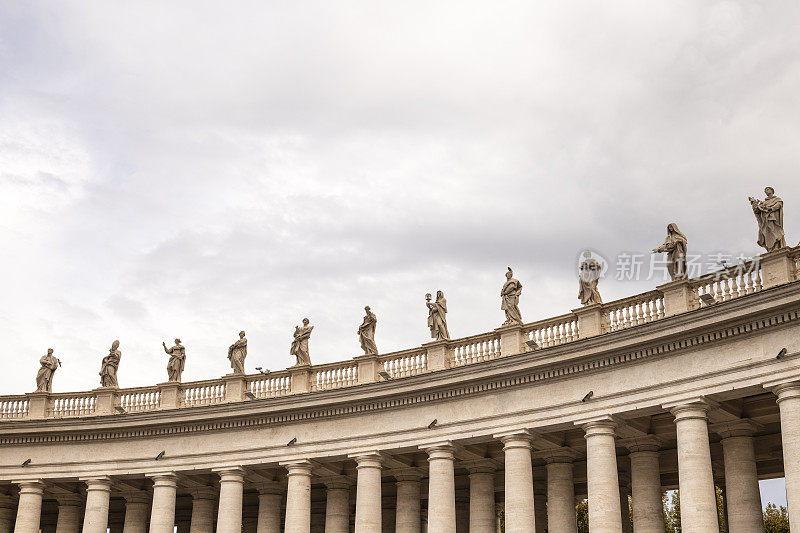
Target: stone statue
(366, 333)
(44, 377)
(587, 280)
(510, 292)
(108, 371)
(436, 317)
(299, 346)
(237, 352)
(769, 214)
(675, 247)
(177, 360)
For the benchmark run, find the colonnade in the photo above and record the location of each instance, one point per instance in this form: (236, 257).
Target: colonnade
(525, 510)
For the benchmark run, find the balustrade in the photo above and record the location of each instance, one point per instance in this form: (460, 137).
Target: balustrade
(204, 393)
(13, 407)
(729, 283)
(553, 331)
(405, 363)
(72, 404)
(634, 311)
(271, 385)
(475, 349)
(144, 399)
(334, 375)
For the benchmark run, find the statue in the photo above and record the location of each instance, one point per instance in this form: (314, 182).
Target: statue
(299, 346)
(177, 360)
(675, 247)
(237, 352)
(108, 371)
(510, 292)
(436, 319)
(44, 377)
(587, 280)
(366, 333)
(769, 214)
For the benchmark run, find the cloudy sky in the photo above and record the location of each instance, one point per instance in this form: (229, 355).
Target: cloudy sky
(192, 171)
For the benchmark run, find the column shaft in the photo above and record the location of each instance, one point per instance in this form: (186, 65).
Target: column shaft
(298, 497)
(162, 515)
(69, 515)
(7, 512)
(441, 490)
(137, 512)
(561, 516)
(203, 505)
(601, 477)
(648, 509)
(95, 517)
(408, 508)
(743, 496)
(520, 505)
(269, 511)
(481, 502)
(29, 508)
(229, 512)
(368, 493)
(789, 404)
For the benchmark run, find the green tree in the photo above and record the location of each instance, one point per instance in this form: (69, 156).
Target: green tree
(776, 519)
(721, 516)
(582, 510)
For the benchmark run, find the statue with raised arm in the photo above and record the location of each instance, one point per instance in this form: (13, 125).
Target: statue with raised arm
(44, 377)
(437, 322)
(510, 292)
(366, 333)
(177, 360)
(237, 353)
(769, 215)
(590, 271)
(108, 370)
(675, 248)
(299, 346)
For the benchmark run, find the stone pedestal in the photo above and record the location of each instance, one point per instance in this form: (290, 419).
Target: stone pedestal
(677, 297)
(777, 268)
(438, 355)
(441, 488)
(107, 400)
(368, 368)
(235, 387)
(171, 395)
(38, 404)
(29, 508)
(590, 320)
(519, 501)
(301, 378)
(98, 494)
(368, 493)
(512, 341)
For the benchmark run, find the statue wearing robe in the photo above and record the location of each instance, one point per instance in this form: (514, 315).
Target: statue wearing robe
(237, 353)
(177, 360)
(299, 346)
(510, 292)
(437, 322)
(769, 215)
(44, 377)
(108, 370)
(590, 271)
(366, 333)
(675, 247)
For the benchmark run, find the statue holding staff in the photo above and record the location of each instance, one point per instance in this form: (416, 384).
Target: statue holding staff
(769, 215)
(44, 377)
(237, 353)
(510, 292)
(590, 271)
(108, 370)
(299, 346)
(366, 333)
(177, 360)
(437, 322)
(675, 247)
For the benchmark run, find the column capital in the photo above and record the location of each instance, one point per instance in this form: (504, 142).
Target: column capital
(784, 390)
(439, 450)
(30, 486)
(164, 479)
(99, 483)
(562, 454)
(737, 428)
(300, 467)
(412, 474)
(230, 474)
(136, 496)
(646, 443)
(367, 459)
(600, 425)
(696, 408)
(337, 482)
(204, 493)
(480, 466)
(518, 438)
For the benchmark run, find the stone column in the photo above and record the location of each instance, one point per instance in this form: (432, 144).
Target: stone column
(481, 499)
(162, 515)
(368, 493)
(561, 515)
(8, 508)
(298, 497)
(408, 509)
(185, 527)
(789, 404)
(648, 509)
(229, 511)
(519, 501)
(29, 508)
(743, 497)
(695, 478)
(337, 505)
(203, 505)
(602, 480)
(95, 517)
(270, 497)
(137, 511)
(69, 513)
(441, 489)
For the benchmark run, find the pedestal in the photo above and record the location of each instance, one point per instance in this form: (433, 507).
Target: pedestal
(38, 402)
(107, 400)
(438, 354)
(777, 268)
(677, 297)
(512, 341)
(301, 378)
(235, 387)
(171, 395)
(368, 368)
(590, 320)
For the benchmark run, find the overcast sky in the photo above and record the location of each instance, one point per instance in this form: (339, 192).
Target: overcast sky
(192, 171)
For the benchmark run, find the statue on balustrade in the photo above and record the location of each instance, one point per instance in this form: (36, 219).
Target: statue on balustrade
(675, 248)
(177, 360)
(366, 333)
(510, 292)
(769, 214)
(44, 377)
(437, 321)
(299, 346)
(108, 370)
(237, 353)
(589, 275)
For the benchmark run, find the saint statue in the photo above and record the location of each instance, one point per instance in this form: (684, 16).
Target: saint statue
(436, 319)
(769, 214)
(675, 247)
(177, 360)
(366, 333)
(510, 292)
(237, 352)
(44, 377)
(108, 371)
(299, 346)
(587, 280)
